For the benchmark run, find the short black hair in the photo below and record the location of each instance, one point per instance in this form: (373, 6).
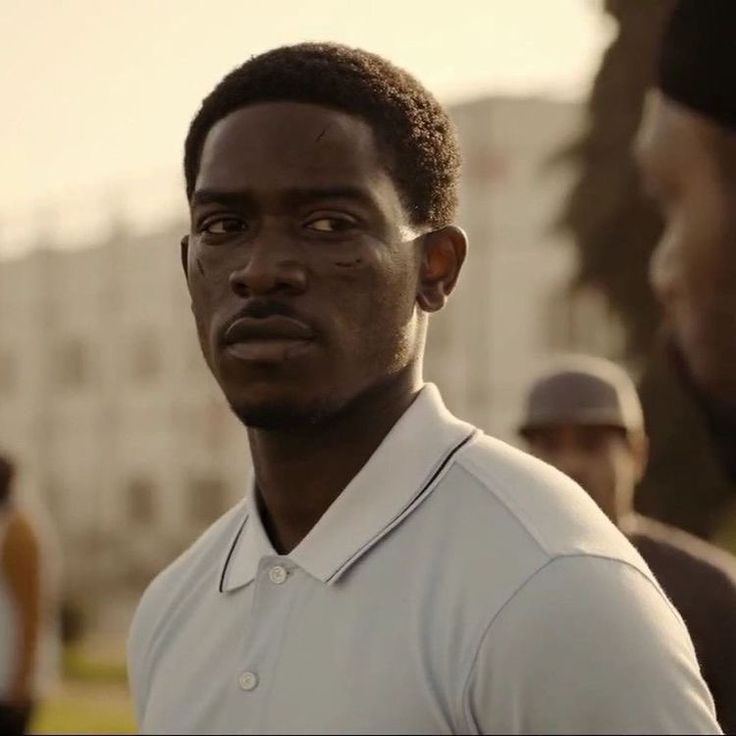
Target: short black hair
(408, 122)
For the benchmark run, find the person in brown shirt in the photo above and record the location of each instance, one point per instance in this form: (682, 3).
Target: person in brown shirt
(20, 608)
(583, 416)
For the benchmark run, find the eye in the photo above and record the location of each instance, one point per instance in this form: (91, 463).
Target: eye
(332, 224)
(223, 226)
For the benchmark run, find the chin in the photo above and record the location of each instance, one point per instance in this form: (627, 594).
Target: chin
(281, 414)
(286, 407)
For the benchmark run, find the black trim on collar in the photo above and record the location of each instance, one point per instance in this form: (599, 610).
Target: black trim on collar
(221, 586)
(425, 488)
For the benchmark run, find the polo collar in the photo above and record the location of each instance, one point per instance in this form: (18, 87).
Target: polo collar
(399, 475)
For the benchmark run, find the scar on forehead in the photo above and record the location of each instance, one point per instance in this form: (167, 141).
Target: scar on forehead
(199, 266)
(350, 264)
(320, 136)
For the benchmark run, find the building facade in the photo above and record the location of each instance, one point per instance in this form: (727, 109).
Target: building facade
(513, 306)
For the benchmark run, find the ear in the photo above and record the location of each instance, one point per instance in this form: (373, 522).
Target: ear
(185, 255)
(443, 254)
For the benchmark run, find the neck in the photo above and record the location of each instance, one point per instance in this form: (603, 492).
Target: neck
(300, 474)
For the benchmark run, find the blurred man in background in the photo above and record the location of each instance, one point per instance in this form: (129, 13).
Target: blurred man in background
(27, 611)
(584, 417)
(687, 155)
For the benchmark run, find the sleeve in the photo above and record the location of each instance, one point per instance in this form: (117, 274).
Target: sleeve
(588, 645)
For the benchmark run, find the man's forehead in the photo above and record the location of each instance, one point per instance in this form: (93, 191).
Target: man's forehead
(281, 132)
(278, 146)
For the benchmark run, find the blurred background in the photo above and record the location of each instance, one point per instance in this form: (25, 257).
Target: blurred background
(121, 435)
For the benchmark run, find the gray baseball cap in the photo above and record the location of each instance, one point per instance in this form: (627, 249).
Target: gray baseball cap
(581, 389)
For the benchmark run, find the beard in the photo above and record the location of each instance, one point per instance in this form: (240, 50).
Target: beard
(294, 416)
(283, 417)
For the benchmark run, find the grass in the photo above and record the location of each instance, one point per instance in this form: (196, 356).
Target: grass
(92, 698)
(85, 709)
(80, 666)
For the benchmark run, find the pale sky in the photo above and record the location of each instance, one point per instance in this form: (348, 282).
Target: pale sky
(97, 94)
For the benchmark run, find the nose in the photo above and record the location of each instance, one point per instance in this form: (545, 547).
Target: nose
(271, 266)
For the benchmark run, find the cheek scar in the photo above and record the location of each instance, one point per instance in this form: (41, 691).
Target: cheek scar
(349, 264)
(199, 266)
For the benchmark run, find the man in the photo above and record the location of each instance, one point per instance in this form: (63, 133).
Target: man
(584, 417)
(390, 569)
(687, 154)
(26, 615)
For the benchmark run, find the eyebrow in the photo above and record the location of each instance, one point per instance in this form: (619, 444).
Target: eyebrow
(294, 196)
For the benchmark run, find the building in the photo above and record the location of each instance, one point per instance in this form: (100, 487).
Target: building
(106, 402)
(121, 429)
(513, 306)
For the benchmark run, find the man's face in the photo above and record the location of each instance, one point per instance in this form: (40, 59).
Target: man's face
(693, 270)
(601, 459)
(301, 263)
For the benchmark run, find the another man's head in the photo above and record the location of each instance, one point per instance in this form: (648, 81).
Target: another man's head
(687, 152)
(584, 417)
(7, 474)
(322, 187)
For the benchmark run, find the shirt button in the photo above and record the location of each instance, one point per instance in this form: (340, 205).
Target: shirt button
(248, 681)
(277, 574)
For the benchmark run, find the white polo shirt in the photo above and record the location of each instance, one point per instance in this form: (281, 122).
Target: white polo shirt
(455, 586)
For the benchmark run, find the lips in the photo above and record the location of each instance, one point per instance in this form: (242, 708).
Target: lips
(248, 329)
(268, 339)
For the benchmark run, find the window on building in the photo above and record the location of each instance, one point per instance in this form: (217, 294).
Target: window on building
(557, 320)
(141, 501)
(194, 357)
(439, 358)
(53, 494)
(73, 364)
(208, 498)
(440, 331)
(7, 371)
(145, 356)
(582, 321)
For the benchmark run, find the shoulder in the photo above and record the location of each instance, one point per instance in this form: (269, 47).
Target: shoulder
(20, 526)
(543, 507)
(21, 535)
(200, 565)
(203, 559)
(677, 552)
(593, 592)
(589, 642)
(685, 544)
(499, 519)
